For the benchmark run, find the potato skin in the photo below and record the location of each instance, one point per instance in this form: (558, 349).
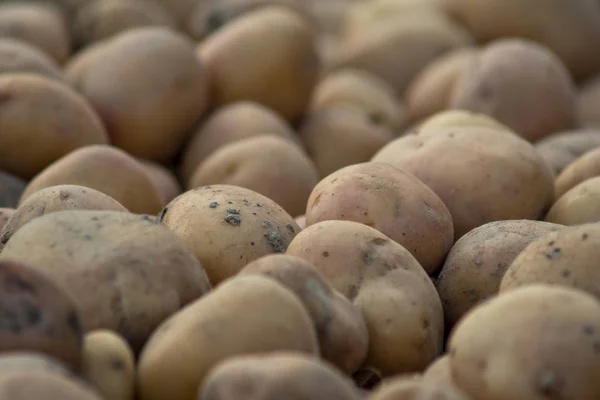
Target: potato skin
(561, 148)
(31, 361)
(415, 389)
(458, 118)
(579, 170)
(513, 368)
(577, 206)
(229, 321)
(36, 385)
(5, 214)
(18, 56)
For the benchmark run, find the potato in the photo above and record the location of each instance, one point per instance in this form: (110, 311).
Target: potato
(63, 122)
(341, 330)
(32, 385)
(430, 90)
(163, 179)
(148, 87)
(341, 136)
(588, 100)
(386, 284)
(361, 89)
(11, 189)
(276, 376)
(301, 221)
(573, 37)
(125, 272)
(106, 169)
(566, 257)
(109, 365)
(245, 315)
(439, 372)
(32, 361)
(474, 268)
(5, 215)
(416, 389)
(277, 48)
(579, 170)
(508, 179)
(504, 82)
(492, 356)
(180, 10)
(228, 226)
(272, 166)
(232, 122)
(561, 148)
(458, 118)
(37, 315)
(38, 24)
(390, 200)
(19, 56)
(579, 205)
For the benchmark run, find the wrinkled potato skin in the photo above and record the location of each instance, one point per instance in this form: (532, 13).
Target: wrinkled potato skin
(562, 148)
(579, 205)
(579, 170)
(19, 56)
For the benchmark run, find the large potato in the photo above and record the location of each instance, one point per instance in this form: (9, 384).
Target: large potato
(278, 50)
(106, 169)
(228, 226)
(390, 200)
(562, 148)
(32, 361)
(588, 101)
(11, 189)
(492, 356)
(245, 315)
(19, 56)
(33, 385)
(125, 272)
(508, 179)
(579, 170)
(163, 179)
(579, 205)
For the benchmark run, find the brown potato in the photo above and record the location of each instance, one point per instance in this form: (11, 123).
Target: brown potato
(272, 166)
(579, 170)
(390, 200)
(106, 169)
(588, 101)
(579, 205)
(415, 389)
(561, 148)
(180, 10)
(32, 385)
(11, 189)
(278, 50)
(440, 372)
(98, 256)
(19, 56)
(163, 179)
(458, 118)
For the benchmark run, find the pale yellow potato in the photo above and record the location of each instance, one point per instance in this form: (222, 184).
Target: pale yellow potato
(562, 148)
(582, 168)
(412, 388)
(579, 205)
(31, 385)
(458, 118)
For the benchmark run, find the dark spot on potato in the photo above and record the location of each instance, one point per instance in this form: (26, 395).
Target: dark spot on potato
(275, 242)
(325, 254)
(548, 383)
(369, 258)
(551, 243)
(214, 204)
(290, 228)
(566, 273)
(5, 237)
(233, 211)
(233, 220)
(589, 329)
(74, 323)
(229, 202)
(253, 213)
(379, 241)
(64, 195)
(584, 236)
(482, 365)
(267, 224)
(258, 205)
(117, 364)
(251, 243)
(554, 254)
(426, 323)
(353, 292)
(162, 214)
(32, 314)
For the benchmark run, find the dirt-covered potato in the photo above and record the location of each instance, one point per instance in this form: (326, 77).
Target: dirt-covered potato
(33, 385)
(244, 315)
(579, 170)
(567, 257)
(125, 272)
(579, 205)
(390, 200)
(106, 169)
(474, 268)
(163, 179)
(458, 118)
(341, 330)
(588, 103)
(109, 365)
(228, 226)
(562, 148)
(19, 56)
(492, 356)
(11, 189)
(46, 117)
(504, 82)
(340, 136)
(272, 166)
(148, 87)
(386, 284)
(277, 48)
(276, 376)
(508, 179)
(410, 388)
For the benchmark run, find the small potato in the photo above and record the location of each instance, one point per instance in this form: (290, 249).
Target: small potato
(458, 118)
(244, 315)
(19, 56)
(276, 376)
(504, 82)
(34, 385)
(163, 179)
(267, 164)
(562, 148)
(109, 365)
(228, 226)
(416, 389)
(588, 101)
(474, 268)
(11, 189)
(492, 356)
(341, 136)
(390, 200)
(106, 169)
(579, 170)
(579, 205)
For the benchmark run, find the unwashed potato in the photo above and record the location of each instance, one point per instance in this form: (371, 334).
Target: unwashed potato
(276, 376)
(227, 124)
(11, 189)
(341, 136)
(588, 102)
(46, 117)
(415, 389)
(386, 284)
(34, 385)
(5, 214)
(278, 50)
(244, 315)
(106, 169)
(474, 268)
(19, 56)
(109, 365)
(272, 166)
(148, 87)
(458, 118)
(579, 205)
(39, 24)
(585, 167)
(125, 272)
(567, 257)
(562, 148)
(508, 179)
(341, 330)
(163, 179)
(228, 226)
(504, 82)
(492, 356)
(390, 200)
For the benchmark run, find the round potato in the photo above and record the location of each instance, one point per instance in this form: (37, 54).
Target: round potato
(588, 101)
(32, 361)
(474, 268)
(267, 164)
(19, 56)
(125, 272)
(562, 148)
(508, 179)
(11, 189)
(579, 170)
(164, 180)
(416, 389)
(491, 351)
(244, 315)
(106, 169)
(390, 200)
(32, 385)
(458, 118)
(439, 372)
(580, 205)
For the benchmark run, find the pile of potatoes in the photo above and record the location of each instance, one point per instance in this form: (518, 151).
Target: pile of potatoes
(299, 199)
